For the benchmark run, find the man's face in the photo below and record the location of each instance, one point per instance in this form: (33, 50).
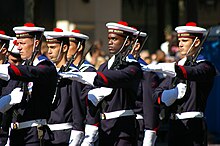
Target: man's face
(54, 52)
(72, 49)
(25, 47)
(115, 43)
(184, 45)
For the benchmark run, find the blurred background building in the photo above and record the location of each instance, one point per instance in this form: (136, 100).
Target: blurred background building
(90, 16)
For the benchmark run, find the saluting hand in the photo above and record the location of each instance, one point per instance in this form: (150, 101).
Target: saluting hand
(165, 68)
(82, 77)
(16, 96)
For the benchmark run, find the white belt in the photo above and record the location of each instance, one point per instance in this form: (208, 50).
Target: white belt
(116, 114)
(61, 126)
(32, 123)
(139, 117)
(186, 115)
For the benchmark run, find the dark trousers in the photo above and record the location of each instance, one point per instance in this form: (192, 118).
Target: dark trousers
(48, 143)
(190, 132)
(140, 132)
(120, 141)
(3, 140)
(26, 137)
(122, 132)
(60, 138)
(3, 137)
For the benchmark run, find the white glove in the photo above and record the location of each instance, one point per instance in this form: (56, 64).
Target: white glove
(169, 96)
(7, 101)
(91, 135)
(82, 77)
(76, 138)
(16, 96)
(4, 72)
(149, 138)
(97, 94)
(165, 68)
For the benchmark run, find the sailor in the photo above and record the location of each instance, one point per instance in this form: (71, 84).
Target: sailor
(115, 83)
(186, 89)
(39, 80)
(147, 112)
(4, 88)
(77, 48)
(4, 44)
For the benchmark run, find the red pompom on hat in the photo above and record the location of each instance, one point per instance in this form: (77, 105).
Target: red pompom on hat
(15, 42)
(2, 32)
(29, 24)
(123, 23)
(57, 30)
(191, 24)
(76, 31)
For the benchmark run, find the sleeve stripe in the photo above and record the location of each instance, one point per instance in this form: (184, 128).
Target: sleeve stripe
(87, 102)
(156, 129)
(158, 99)
(16, 70)
(183, 71)
(103, 77)
(96, 124)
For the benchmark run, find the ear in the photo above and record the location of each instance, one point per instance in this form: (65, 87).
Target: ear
(65, 48)
(80, 49)
(4, 51)
(197, 43)
(36, 43)
(137, 46)
(128, 42)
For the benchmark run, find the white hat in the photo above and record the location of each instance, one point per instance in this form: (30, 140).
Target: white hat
(77, 35)
(13, 46)
(28, 30)
(120, 28)
(56, 34)
(141, 34)
(190, 30)
(4, 37)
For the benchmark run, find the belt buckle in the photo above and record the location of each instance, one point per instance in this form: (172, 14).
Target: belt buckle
(103, 117)
(15, 126)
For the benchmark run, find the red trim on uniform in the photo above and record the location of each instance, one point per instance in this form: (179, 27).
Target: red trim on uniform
(103, 77)
(96, 124)
(16, 70)
(159, 99)
(87, 102)
(156, 129)
(183, 71)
